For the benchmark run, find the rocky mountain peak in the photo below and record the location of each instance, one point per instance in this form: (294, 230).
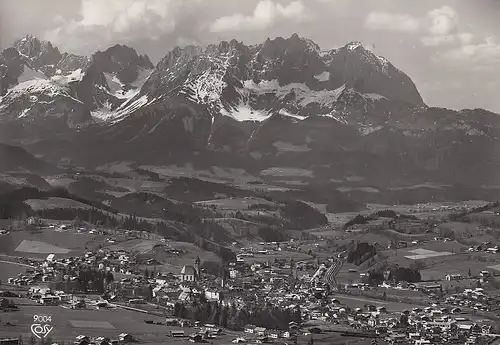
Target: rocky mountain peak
(40, 52)
(123, 61)
(226, 47)
(124, 55)
(12, 65)
(359, 68)
(279, 46)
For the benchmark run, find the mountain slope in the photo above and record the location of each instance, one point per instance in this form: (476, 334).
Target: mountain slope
(284, 110)
(16, 158)
(40, 85)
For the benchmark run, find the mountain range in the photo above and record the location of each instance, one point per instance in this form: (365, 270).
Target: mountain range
(285, 111)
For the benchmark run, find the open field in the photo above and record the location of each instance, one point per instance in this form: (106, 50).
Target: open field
(354, 301)
(280, 255)
(460, 263)
(69, 323)
(169, 262)
(140, 246)
(235, 204)
(51, 203)
(173, 263)
(8, 270)
(38, 244)
(91, 324)
(436, 209)
(425, 254)
(40, 248)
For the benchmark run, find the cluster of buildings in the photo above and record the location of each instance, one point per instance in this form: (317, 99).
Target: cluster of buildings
(486, 247)
(475, 299)
(273, 283)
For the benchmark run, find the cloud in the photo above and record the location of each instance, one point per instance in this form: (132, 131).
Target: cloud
(441, 27)
(123, 16)
(136, 22)
(485, 55)
(442, 21)
(265, 14)
(392, 22)
(434, 41)
(465, 37)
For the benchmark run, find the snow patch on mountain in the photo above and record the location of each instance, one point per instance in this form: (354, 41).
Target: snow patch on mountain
(325, 76)
(285, 112)
(373, 96)
(353, 46)
(30, 74)
(74, 76)
(206, 87)
(243, 112)
(365, 130)
(114, 84)
(105, 114)
(122, 91)
(44, 86)
(303, 94)
(339, 118)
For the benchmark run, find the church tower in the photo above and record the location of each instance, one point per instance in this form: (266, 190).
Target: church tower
(197, 267)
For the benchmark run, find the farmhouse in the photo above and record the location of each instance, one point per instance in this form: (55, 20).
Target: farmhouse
(450, 277)
(125, 337)
(177, 334)
(250, 329)
(260, 331)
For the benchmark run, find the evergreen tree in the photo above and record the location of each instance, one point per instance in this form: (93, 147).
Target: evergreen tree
(109, 277)
(224, 317)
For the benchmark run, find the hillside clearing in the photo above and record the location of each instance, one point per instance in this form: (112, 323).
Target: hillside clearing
(235, 203)
(9, 270)
(52, 203)
(69, 241)
(425, 254)
(141, 246)
(40, 248)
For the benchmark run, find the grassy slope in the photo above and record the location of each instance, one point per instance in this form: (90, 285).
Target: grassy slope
(75, 242)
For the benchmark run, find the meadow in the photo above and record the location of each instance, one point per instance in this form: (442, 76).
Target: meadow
(70, 323)
(9, 269)
(52, 203)
(38, 244)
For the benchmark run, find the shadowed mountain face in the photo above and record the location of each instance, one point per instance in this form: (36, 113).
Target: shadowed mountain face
(16, 158)
(320, 116)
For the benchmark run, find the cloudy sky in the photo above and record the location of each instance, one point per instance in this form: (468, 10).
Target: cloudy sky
(450, 48)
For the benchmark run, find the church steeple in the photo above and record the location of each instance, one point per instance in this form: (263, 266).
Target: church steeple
(197, 266)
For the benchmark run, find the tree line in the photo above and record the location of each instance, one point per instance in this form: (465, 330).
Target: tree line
(268, 316)
(12, 203)
(88, 280)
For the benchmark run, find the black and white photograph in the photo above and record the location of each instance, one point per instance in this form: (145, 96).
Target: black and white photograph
(287, 172)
